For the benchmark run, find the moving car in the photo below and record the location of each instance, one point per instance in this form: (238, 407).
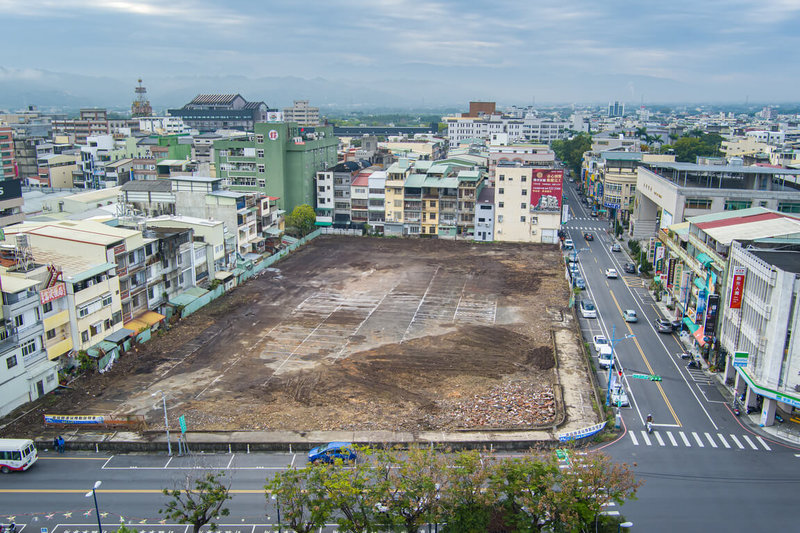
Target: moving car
(619, 397)
(606, 358)
(616, 247)
(588, 236)
(588, 310)
(329, 453)
(663, 325)
(611, 273)
(630, 315)
(569, 245)
(598, 341)
(629, 268)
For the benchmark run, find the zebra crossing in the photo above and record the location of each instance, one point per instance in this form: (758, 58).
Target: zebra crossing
(685, 439)
(699, 376)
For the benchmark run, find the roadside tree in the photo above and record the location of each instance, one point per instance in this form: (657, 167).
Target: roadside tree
(198, 502)
(300, 222)
(467, 502)
(304, 506)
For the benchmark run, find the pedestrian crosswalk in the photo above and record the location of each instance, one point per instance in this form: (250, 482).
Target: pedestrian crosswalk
(699, 376)
(693, 439)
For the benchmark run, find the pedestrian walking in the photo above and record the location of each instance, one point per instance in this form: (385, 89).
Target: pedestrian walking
(55, 444)
(60, 444)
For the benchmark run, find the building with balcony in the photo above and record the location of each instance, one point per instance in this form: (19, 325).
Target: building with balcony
(56, 170)
(537, 155)
(334, 188)
(376, 201)
(8, 161)
(90, 122)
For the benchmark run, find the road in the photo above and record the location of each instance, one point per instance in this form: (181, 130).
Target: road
(703, 468)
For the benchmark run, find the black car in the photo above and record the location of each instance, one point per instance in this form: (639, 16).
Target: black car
(629, 268)
(588, 236)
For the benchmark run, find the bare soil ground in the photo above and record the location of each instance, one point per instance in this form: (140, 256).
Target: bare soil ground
(352, 334)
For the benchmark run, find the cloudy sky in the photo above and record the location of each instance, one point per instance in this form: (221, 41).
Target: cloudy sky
(409, 52)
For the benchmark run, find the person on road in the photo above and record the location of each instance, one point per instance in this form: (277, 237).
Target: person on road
(60, 444)
(649, 423)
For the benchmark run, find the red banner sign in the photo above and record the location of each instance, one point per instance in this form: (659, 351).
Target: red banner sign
(546, 189)
(737, 287)
(52, 293)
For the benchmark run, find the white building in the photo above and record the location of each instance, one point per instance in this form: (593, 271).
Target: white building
(302, 113)
(163, 125)
(486, 127)
(377, 200)
(484, 215)
(527, 204)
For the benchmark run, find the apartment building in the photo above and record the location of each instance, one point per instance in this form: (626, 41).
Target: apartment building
(279, 159)
(11, 202)
(90, 122)
(334, 188)
(377, 200)
(487, 126)
(484, 215)
(8, 162)
(538, 155)
(302, 114)
(425, 149)
(527, 204)
(56, 170)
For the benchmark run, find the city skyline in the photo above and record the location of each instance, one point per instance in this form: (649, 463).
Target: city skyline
(354, 52)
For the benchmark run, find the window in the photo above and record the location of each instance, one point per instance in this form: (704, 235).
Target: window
(697, 203)
(524, 179)
(524, 192)
(522, 218)
(523, 205)
(500, 204)
(259, 138)
(433, 204)
(481, 219)
(500, 218)
(502, 177)
(261, 169)
(500, 190)
(85, 336)
(28, 347)
(733, 205)
(789, 207)
(433, 216)
(51, 334)
(106, 301)
(11, 362)
(47, 307)
(398, 203)
(96, 328)
(259, 153)
(19, 320)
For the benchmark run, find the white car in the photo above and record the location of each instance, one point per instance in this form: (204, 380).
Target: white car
(588, 310)
(606, 357)
(611, 273)
(630, 315)
(569, 245)
(619, 397)
(599, 341)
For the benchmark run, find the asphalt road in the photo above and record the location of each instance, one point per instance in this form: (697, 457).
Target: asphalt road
(703, 468)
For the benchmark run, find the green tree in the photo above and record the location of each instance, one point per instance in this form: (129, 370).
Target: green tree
(198, 502)
(524, 486)
(300, 221)
(571, 151)
(467, 506)
(303, 505)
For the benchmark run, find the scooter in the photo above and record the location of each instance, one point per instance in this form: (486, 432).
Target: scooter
(736, 410)
(693, 364)
(778, 418)
(685, 355)
(752, 409)
(649, 426)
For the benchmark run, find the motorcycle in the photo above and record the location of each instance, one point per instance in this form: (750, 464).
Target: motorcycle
(685, 355)
(694, 364)
(778, 418)
(752, 409)
(736, 410)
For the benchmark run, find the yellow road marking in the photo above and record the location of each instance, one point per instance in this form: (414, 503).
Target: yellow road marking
(647, 363)
(111, 491)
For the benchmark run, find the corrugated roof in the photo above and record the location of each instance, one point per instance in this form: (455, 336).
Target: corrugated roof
(728, 214)
(442, 183)
(716, 169)
(415, 180)
(215, 99)
(148, 186)
(759, 229)
(362, 180)
(734, 221)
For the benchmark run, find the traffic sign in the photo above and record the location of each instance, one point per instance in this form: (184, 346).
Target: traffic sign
(651, 377)
(182, 423)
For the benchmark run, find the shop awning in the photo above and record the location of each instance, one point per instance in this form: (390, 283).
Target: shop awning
(151, 317)
(119, 336)
(704, 259)
(689, 324)
(323, 223)
(700, 283)
(698, 335)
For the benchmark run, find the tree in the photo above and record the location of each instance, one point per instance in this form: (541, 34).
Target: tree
(303, 505)
(524, 485)
(467, 506)
(301, 220)
(571, 151)
(199, 502)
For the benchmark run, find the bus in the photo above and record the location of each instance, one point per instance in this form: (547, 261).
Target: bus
(17, 455)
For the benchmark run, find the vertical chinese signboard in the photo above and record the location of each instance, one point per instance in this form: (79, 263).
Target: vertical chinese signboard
(737, 286)
(546, 189)
(711, 315)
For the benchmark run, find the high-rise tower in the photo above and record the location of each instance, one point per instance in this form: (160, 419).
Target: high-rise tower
(141, 105)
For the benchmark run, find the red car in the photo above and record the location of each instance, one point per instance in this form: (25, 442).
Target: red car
(588, 236)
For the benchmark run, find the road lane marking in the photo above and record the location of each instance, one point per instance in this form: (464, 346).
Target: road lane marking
(685, 440)
(710, 440)
(633, 438)
(697, 439)
(764, 444)
(169, 461)
(736, 441)
(659, 439)
(645, 437)
(672, 439)
(747, 439)
(722, 439)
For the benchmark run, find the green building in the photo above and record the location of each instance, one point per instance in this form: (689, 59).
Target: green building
(278, 159)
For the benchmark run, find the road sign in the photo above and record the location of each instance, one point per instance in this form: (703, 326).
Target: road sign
(740, 359)
(652, 377)
(182, 423)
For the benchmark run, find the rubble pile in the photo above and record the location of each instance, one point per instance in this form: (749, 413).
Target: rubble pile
(513, 405)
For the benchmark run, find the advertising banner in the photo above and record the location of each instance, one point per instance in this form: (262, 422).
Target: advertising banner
(670, 272)
(10, 189)
(55, 292)
(737, 287)
(711, 315)
(546, 189)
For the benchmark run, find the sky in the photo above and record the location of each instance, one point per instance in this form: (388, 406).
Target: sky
(402, 52)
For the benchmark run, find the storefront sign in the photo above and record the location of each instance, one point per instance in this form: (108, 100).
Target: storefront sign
(740, 359)
(546, 189)
(55, 292)
(737, 287)
(711, 315)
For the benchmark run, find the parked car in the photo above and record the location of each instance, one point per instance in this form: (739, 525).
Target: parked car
(630, 315)
(611, 273)
(677, 324)
(569, 245)
(598, 341)
(588, 236)
(629, 268)
(663, 325)
(578, 282)
(332, 451)
(588, 310)
(605, 358)
(616, 247)
(619, 397)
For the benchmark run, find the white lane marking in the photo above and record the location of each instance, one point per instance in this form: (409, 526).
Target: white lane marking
(710, 440)
(659, 439)
(646, 438)
(736, 441)
(697, 439)
(168, 462)
(685, 440)
(231, 461)
(672, 439)
(106, 463)
(748, 441)
(722, 439)
(633, 438)
(764, 444)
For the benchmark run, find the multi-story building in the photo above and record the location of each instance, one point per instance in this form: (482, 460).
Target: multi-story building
(484, 215)
(210, 234)
(210, 112)
(302, 114)
(334, 188)
(483, 122)
(91, 122)
(163, 125)
(277, 160)
(8, 164)
(527, 204)
(668, 193)
(377, 200)
(56, 170)
(11, 202)
(425, 149)
(538, 155)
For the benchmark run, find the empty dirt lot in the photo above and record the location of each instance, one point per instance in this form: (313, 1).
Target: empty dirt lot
(354, 334)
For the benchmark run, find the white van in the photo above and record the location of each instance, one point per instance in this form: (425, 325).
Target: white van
(605, 357)
(17, 455)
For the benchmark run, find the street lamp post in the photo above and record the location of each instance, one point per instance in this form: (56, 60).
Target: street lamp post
(166, 422)
(278, 508)
(93, 494)
(613, 341)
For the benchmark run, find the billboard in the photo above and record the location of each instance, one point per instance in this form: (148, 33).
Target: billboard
(737, 287)
(546, 189)
(55, 292)
(10, 189)
(711, 315)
